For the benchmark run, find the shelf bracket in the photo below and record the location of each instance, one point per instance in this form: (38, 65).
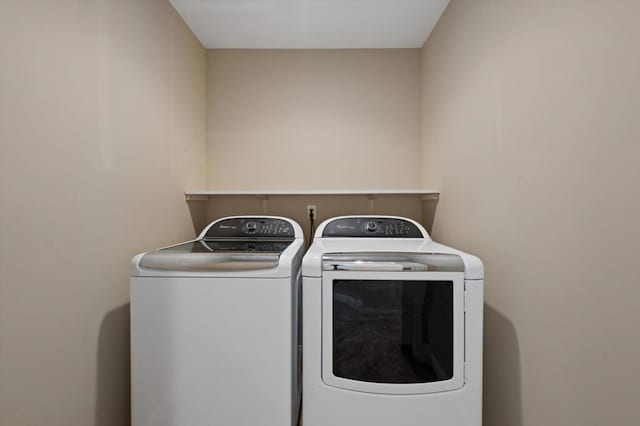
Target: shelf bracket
(430, 197)
(265, 203)
(189, 197)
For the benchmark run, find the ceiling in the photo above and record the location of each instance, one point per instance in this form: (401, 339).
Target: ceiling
(311, 24)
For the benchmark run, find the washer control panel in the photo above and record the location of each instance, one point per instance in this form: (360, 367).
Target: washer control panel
(372, 227)
(251, 227)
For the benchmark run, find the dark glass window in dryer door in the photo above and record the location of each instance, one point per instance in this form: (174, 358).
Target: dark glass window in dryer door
(393, 331)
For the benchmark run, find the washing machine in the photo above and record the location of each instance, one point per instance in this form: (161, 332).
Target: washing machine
(214, 327)
(392, 327)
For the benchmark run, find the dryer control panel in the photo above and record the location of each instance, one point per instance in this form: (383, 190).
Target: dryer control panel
(250, 227)
(372, 227)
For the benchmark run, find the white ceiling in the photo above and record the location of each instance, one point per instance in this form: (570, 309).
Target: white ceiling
(311, 24)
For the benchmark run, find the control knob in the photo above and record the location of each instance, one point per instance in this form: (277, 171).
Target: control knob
(251, 227)
(371, 226)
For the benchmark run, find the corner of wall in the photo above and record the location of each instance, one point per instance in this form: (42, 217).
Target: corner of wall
(429, 172)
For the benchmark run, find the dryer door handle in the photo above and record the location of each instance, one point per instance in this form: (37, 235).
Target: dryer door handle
(366, 266)
(393, 262)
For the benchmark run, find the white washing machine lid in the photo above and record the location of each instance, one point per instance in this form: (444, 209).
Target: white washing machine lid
(239, 246)
(200, 256)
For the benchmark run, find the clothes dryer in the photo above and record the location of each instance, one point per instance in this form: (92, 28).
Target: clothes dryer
(214, 327)
(392, 327)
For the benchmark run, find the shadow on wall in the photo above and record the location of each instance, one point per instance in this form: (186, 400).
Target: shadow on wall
(198, 211)
(113, 406)
(502, 383)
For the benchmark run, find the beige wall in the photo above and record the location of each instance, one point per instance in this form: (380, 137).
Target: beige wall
(322, 119)
(102, 126)
(531, 132)
(529, 128)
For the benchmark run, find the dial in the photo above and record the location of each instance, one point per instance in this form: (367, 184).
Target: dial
(251, 227)
(371, 226)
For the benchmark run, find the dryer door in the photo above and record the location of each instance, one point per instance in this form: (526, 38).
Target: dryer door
(393, 332)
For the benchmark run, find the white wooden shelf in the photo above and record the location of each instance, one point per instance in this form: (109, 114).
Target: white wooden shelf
(199, 195)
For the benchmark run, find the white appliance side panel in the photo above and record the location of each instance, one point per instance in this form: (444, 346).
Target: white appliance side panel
(474, 332)
(211, 351)
(326, 405)
(296, 334)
